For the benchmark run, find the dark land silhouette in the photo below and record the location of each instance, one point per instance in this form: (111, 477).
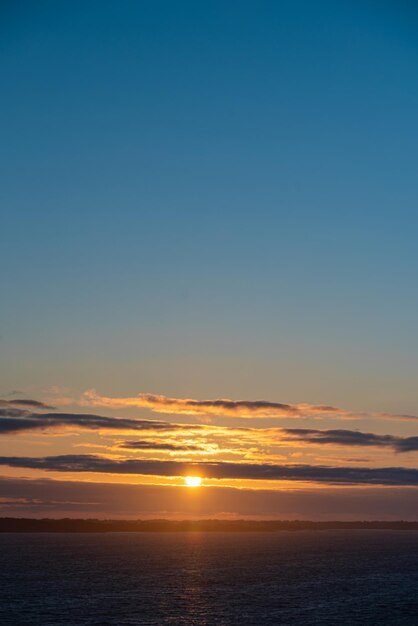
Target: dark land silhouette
(70, 525)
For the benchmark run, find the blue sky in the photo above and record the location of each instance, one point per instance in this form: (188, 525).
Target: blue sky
(211, 200)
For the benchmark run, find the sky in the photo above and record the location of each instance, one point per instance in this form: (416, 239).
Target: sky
(208, 225)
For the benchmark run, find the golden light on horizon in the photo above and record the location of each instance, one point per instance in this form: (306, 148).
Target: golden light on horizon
(193, 481)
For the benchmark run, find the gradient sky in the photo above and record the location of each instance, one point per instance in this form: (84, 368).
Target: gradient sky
(209, 200)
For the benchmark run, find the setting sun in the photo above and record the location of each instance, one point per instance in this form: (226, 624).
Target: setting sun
(193, 481)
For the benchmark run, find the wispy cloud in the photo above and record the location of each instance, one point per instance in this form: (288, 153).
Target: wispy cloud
(226, 407)
(219, 470)
(23, 402)
(230, 408)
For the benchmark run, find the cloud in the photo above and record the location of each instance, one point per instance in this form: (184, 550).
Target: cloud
(408, 444)
(219, 470)
(31, 404)
(230, 408)
(17, 420)
(14, 420)
(12, 412)
(160, 445)
(352, 438)
(225, 407)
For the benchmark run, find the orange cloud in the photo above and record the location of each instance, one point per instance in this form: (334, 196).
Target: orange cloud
(232, 408)
(225, 407)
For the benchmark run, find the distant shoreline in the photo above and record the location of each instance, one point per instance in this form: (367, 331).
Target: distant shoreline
(70, 525)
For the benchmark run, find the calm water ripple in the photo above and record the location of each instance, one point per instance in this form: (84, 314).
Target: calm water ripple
(210, 579)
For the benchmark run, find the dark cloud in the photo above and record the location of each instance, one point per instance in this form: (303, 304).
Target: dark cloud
(31, 404)
(219, 470)
(159, 445)
(118, 423)
(10, 426)
(352, 438)
(17, 420)
(13, 412)
(408, 444)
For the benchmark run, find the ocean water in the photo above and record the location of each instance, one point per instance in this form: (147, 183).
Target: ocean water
(208, 579)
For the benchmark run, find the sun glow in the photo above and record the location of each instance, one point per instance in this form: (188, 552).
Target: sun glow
(193, 481)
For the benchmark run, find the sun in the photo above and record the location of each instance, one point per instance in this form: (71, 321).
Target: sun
(193, 481)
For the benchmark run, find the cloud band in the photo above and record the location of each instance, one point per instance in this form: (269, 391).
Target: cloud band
(220, 470)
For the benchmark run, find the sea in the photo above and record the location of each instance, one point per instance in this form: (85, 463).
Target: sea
(207, 579)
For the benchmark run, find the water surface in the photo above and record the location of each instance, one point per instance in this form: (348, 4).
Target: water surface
(209, 579)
